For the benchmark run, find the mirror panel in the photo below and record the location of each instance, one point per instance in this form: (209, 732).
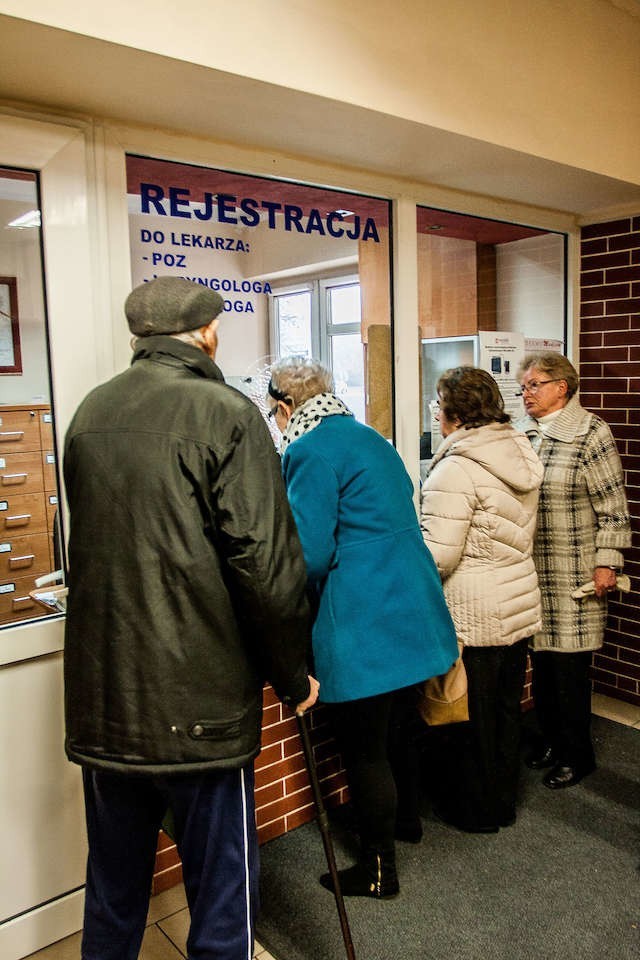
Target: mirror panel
(31, 564)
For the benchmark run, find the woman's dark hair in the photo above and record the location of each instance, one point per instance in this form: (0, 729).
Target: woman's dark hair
(471, 396)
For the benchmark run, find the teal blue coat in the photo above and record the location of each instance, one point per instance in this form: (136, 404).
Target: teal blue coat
(382, 621)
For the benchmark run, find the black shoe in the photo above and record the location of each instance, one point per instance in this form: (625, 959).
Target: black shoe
(561, 776)
(464, 827)
(540, 759)
(375, 878)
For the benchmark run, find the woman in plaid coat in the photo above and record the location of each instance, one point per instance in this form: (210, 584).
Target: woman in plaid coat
(583, 525)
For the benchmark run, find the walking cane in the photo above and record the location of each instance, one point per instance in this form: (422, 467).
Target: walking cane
(323, 826)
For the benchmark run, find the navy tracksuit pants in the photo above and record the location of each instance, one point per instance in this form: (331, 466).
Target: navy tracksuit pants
(216, 837)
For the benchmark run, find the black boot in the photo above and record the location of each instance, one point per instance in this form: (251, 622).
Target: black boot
(410, 831)
(373, 876)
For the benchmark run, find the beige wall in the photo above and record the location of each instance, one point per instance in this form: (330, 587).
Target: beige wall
(555, 80)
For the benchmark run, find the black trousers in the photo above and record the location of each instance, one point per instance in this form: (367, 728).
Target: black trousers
(476, 770)
(361, 729)
(562, 695)
(495, 677)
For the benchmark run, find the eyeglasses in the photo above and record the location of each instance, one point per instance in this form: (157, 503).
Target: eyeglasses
(272, 412)
(534, 386)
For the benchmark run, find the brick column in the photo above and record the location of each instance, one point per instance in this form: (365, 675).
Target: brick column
(610, 387)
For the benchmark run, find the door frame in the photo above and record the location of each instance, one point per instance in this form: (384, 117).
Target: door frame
(61, 153)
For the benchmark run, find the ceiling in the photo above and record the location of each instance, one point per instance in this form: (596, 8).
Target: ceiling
(443, 223)
(75, 74)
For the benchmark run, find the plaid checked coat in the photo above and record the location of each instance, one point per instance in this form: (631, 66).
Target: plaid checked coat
(583, 523)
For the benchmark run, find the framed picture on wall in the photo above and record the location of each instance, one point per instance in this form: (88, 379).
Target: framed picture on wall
(10, 356)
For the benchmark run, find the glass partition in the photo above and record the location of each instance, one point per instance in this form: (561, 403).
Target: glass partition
(31, 565)
(488, 291)
(302, 269)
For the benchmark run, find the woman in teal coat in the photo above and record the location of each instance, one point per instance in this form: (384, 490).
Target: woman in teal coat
(382, 624)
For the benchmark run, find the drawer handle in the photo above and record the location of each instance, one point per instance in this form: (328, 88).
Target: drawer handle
(22, 603)
(25, 561)
(7, 435)
(9, 479)
(20, 520)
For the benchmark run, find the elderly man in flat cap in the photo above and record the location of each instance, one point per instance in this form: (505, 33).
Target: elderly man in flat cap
(186, 591)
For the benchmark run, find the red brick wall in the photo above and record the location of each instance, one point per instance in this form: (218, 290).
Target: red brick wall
(610, 387)
(283, 794)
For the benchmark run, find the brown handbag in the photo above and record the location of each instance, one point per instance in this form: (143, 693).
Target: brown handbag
(443, 699)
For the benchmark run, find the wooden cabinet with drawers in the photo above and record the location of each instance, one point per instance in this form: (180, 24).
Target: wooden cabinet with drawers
(28, 505)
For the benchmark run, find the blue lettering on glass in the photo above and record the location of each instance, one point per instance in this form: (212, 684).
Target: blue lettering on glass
(249, 207)
(314, 223)
(207, 213)
(151, 194)
(292, 217)
(152, 201)
(202, 241)
(238, 306)
(330, 228)
(370, 230)
(232, 286)
(178, 207)
(169, 259)
(355, 232)
(226, 208)
(146, 236)
(272, 208)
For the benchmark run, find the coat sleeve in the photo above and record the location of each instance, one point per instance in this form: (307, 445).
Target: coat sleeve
(605, 485)
(447, 505)
(314, 493)
(262, 558)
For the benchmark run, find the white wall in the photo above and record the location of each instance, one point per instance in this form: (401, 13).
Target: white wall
(287, 252)
(21, 259)
(530, 286)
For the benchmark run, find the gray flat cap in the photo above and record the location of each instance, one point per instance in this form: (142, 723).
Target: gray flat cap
(170, 305)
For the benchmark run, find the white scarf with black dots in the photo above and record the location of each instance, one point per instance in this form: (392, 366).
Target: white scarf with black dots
(310, 414)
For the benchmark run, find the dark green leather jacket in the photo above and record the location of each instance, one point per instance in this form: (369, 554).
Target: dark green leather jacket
(186, 576)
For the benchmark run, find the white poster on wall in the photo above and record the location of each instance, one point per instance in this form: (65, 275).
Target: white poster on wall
(500, 355)
(541, 345)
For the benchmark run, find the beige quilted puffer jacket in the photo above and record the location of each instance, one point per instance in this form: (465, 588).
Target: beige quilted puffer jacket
(478, 518)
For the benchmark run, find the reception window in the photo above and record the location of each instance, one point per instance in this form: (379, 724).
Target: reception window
(488, 293)
(303, 270)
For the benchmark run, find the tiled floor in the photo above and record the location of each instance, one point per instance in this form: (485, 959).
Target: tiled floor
(165, 937)
(615, 710)
(168, 921)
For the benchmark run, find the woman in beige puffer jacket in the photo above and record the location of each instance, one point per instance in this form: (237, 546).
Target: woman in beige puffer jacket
(478, 516)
